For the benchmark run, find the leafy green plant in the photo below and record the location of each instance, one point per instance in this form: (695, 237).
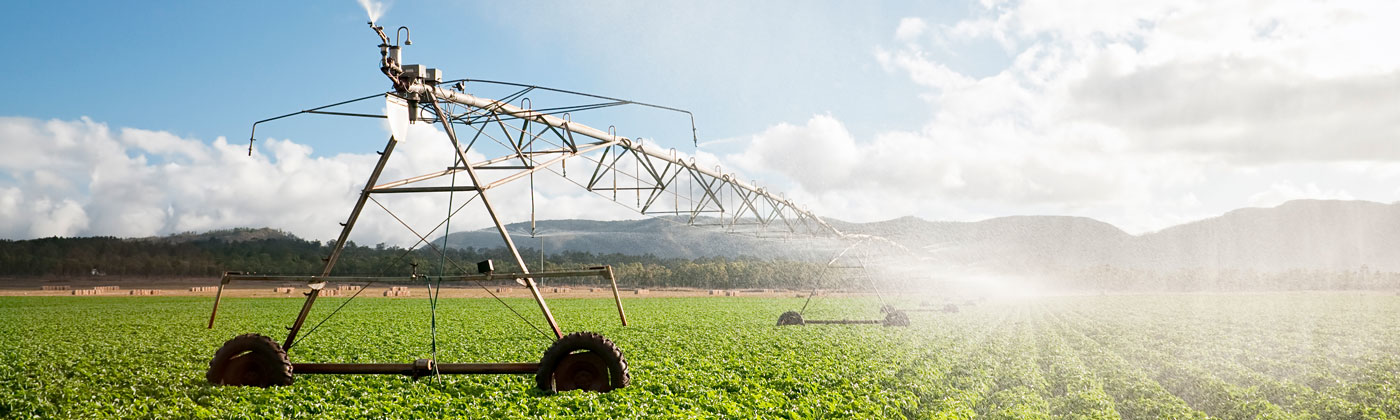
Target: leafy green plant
(1113, 357)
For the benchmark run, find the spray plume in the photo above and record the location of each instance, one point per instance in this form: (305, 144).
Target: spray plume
(373, 8)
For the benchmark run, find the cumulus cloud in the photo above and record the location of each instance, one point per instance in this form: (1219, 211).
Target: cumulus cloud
(910, 28)
(82, 178)
(1143, 114)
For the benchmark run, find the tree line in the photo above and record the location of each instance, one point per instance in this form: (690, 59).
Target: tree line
(256, 251)
(211, 256)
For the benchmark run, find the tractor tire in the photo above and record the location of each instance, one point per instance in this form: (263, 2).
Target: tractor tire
(896, 319)
(582, 360)
(250, 360)
(790, 318)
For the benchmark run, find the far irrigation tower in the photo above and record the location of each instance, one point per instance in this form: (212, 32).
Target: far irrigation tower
(524, 141)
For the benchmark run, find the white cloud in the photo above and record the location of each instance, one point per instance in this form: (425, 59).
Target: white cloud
(163, 144)
(819, 155)
(922, 71)
(910, 28)
(40, 217)
(80, 178)
(1140, 114)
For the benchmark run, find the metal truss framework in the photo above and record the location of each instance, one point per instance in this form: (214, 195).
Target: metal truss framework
(649, 180)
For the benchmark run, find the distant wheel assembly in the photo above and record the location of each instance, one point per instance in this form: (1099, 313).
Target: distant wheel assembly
(790, 318)
(896, 319)
(582, 360)
(250, 360)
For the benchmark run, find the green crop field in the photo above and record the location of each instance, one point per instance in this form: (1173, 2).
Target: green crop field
(1303, 356)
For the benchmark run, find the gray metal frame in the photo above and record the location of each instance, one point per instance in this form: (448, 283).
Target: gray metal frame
(537, 140)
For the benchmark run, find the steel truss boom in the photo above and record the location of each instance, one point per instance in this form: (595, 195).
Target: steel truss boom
(619, 167)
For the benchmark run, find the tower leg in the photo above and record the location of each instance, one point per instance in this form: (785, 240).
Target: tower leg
(481, 192)
(340, 243)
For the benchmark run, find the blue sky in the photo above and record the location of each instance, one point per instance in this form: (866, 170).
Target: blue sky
(205, 70)
(131, 120)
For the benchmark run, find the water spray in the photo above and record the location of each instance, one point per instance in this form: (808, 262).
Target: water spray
(373, 9)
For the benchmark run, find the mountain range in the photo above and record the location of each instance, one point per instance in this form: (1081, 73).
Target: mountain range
(1300, 234)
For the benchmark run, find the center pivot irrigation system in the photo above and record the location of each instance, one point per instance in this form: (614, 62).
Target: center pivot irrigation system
(523, 141)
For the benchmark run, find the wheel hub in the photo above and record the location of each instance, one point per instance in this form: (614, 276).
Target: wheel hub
(583, 370)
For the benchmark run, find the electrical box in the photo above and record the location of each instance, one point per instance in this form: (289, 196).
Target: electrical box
(415, 70)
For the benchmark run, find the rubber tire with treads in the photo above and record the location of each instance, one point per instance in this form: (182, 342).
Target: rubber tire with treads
(587, 357)
(250, 360)
(790, 318)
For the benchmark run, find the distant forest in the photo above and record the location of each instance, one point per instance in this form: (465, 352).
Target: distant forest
(272, 252)
(211, 255)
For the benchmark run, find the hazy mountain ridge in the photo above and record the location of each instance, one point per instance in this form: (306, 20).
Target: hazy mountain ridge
(1297, 234)
(225, 235)
(1305, 234)
(667, 238)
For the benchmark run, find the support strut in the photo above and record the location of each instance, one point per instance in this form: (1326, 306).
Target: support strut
(217, 295)
(481, 192)
(340, 243)
(616, 296)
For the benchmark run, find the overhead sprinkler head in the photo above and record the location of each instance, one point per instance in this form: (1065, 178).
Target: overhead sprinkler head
(391, 51)
(390, 59)
(380, 31)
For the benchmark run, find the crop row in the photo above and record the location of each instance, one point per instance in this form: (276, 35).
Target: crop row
(1111, 357)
